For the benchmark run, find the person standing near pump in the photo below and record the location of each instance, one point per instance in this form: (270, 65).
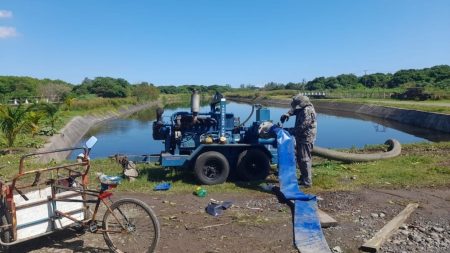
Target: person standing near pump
(305, 135)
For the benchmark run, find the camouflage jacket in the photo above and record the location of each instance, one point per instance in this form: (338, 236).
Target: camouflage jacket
(305, 124)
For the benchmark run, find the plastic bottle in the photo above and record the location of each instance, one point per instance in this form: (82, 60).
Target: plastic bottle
(200, 191)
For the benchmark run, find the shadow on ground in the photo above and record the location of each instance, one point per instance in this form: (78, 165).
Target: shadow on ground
(67, 239)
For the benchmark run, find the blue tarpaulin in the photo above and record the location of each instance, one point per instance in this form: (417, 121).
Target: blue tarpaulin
(307, 231)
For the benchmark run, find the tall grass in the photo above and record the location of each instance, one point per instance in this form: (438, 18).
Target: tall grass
(98, 102)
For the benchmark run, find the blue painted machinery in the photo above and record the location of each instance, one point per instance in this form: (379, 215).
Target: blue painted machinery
(214, 144)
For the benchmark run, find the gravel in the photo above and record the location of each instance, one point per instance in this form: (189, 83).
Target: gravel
(420, 236)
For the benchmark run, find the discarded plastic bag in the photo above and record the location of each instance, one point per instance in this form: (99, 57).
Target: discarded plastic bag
(162, 186)
(215, 209)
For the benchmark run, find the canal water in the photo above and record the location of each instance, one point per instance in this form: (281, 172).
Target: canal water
(133, 134)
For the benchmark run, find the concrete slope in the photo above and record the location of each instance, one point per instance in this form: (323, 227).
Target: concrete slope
(72, 133)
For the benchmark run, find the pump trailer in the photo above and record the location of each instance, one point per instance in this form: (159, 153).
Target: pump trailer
(214, 144)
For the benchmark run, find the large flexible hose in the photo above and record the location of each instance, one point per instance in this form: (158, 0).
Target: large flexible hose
(248, 118)
(393, 151)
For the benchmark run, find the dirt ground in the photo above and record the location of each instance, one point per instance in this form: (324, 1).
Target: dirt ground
(257, 222)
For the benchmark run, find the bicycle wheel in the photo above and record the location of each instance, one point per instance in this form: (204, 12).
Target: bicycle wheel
(131, 227)
(5, 232)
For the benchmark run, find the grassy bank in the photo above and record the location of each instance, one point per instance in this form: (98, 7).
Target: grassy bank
(94, 105)
(420, 165)
(438, 106)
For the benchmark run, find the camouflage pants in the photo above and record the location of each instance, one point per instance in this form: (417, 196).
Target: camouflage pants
(304, 162)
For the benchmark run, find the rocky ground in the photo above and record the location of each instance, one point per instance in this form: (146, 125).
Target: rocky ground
(257, 222)
(362, 214)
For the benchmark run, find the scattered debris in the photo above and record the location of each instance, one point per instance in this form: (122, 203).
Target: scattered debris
(326, 220)
(266, 187)
(169, 202)
(374, 244)
(200, 191)
(129, 167)
(130, 171)
(164, 186)
(337, 249)
(215, 209)
(215, 225)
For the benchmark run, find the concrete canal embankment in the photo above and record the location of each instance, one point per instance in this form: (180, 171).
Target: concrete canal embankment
(429, 120)
(73, 131)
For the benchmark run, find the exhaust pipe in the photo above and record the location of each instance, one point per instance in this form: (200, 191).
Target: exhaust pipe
(195, 105)
(195, 102)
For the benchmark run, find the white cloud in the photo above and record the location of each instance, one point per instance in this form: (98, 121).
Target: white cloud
(5, 14)
(6, 32)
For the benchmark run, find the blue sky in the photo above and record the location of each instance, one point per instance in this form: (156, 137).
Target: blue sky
(220, 42)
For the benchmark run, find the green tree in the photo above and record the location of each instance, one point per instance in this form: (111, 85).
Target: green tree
(317, 83)
(27, 87)
(83, 88)
(331, 83)
(168, 89)
(54, 90)
(52, 112)
(439, 73)
(13, 120)
(68, 101)
(273, 86)
(294, 86)
(379, 80)
(347, 80)
(109, 87)
(145, 91)
(34, 118)
(219, 88)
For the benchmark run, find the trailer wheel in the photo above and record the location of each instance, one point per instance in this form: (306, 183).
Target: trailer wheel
(211, 168)
(253, 164)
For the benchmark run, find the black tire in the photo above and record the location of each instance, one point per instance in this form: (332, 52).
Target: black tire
(253, 164)
(6, 232)
(211, 168)
(142, 227)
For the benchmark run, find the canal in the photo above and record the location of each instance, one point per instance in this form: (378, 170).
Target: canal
(133, 134)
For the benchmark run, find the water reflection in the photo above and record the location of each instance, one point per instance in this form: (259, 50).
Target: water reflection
(144, 116)
(133, 134)
(383, 125)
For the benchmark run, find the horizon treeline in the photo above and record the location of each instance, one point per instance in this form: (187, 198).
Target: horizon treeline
(437, 77)
(12, 87)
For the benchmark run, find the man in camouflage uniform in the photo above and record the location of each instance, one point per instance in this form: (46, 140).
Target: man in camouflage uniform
(305, 134)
